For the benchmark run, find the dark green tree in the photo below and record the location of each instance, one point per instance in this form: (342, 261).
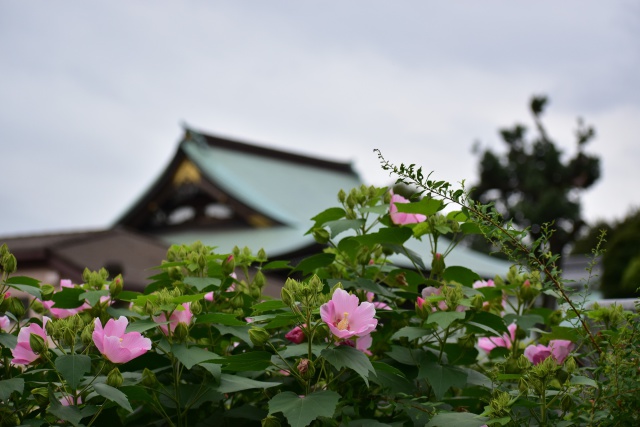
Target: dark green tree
(532, 184)
(621, 259)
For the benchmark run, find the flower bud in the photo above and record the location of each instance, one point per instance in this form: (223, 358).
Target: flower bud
(116, 286)
(87, 334)
(555, 318)
(259, 336)
(342, 196)
(149, 378)
(270, 420)
(570, 365)
(195, 307)
(114, 379)
(259, 279)
(321, 235)
(9, 263)
(37, 344)
(477, 302)
(437, 264)
(16, 307)
(37, 307)
(50, 327)
(181, 332)
(261, 255)
(41, 395)
(229, 265)
(47, 292)
(287, 297)
(306, 369)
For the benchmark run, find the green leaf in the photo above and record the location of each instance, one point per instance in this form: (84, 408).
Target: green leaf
(458, 419)
(301, 411)
(93, 297)
(426, 206)
(462, 275)
(415, 257)
(348, 357)
(331, 214)
(8, 340)
(232, 383)
(269, 305)
(445, 318)
(282, 319)
(392, 236)
(470, 228)
(343, 225)
(117, 312)
(202, 282)
(128, 295)
(276, 265)
(68, 298)
(9, 386)
(525, 322)
(407, 356)
(220, 318)
(23, 280)
(392, 378)
(190, 356)
(187, 298)
(441, 378)
(580, 380)
(488, 322)
(214, 369)
(143, 325)
(411, 332)
(251, 361)
(113, 394)
(308, 265)
(241, 332)
(72, 367)
(66, 413)
(31, 290)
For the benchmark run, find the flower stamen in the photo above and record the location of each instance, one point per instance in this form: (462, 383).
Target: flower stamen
(344, 323)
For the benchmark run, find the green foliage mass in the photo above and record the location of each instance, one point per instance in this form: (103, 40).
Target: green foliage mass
(531, 184)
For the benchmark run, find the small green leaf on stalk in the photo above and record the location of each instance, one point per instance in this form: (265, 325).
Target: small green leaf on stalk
(301, 411)
(202, 282)
(309, 264)
(113, 394)
(72, 367)
(462, 275)
(190, 356)
(232, 383)
(220, 318)
(445, 318)
(9, 386)
(331, 214)
(348, 357)
(68, 298)
(426, 206)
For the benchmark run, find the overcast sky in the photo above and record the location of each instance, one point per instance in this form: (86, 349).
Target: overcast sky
(93, 94)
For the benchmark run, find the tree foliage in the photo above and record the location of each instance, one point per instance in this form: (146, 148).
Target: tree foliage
(531, 184)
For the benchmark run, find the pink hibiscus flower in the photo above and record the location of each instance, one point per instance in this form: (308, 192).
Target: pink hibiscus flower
(347, 317)
(402, 218)
(22, 353)
(182, 314)
(558, 349)
(487, 344)
(117, 346)
(296, 335)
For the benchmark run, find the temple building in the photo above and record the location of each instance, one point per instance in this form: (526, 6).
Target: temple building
(219, 191)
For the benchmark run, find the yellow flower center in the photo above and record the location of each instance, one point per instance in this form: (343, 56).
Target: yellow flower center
(344, 323)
